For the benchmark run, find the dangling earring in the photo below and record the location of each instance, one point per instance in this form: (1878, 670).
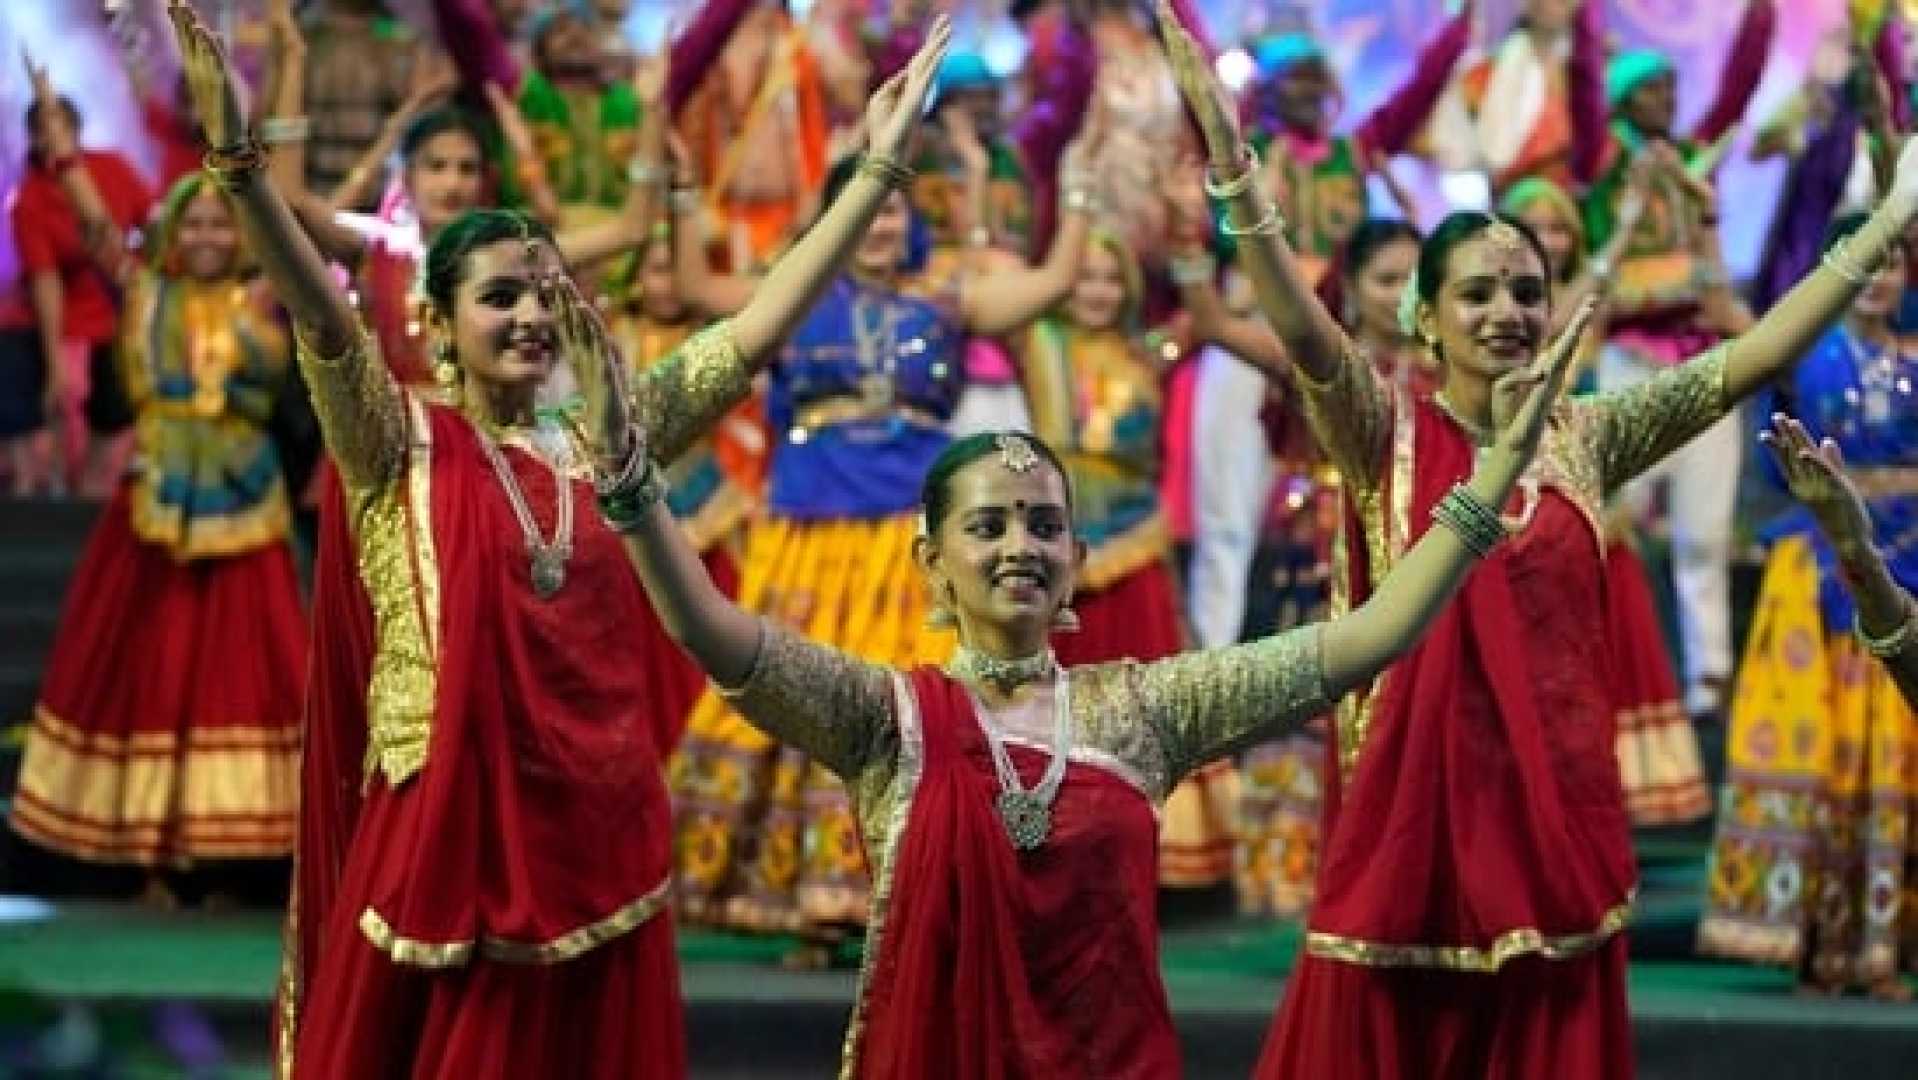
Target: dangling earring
(445, 371)
(1064, 619)
(940, 616)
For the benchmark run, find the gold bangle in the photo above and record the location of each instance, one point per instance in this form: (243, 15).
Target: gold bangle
(1891, 644)
(1238, 185)
(885, 170)
(228, 165)
(1269, 224)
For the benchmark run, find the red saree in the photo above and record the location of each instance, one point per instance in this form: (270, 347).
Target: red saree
(1478, 864)
(488, 909)
(992, 963)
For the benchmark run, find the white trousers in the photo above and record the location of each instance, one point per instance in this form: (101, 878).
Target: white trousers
(1232, 479)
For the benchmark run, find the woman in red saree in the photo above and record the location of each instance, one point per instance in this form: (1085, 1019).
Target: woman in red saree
(1478, 868)
(484, 846)
(1009, 804)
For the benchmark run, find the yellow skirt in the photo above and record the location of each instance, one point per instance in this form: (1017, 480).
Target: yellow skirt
(766, 839)
(1815, 860)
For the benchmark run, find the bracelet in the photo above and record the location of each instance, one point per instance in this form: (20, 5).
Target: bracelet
(285, 129)
(1603, 270)
(228, 165)
(1237, 186)
(1198, 268)
(630, 462)
(625, 508)
(1271, 224)
(1080, 200)
(643, 172)
(683, 200)
(1891, 644)
(979, 236)
(885, 170)
(1475, 522)
(1839, 259)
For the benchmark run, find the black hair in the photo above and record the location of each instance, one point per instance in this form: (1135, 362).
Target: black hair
(446, 258)
(1435, 255)
(935, 494)
(1372, 236)
(66, 106)
(438, 122)
(1843, 226)
(918, 233)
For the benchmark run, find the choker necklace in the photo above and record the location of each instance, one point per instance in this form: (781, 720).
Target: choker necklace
(548, 558)
(971, 665)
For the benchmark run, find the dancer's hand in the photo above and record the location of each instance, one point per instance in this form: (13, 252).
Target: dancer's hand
(211, 85)
(1523, 400)
(62, 140)
(1210, 102)
(587, 349)
(1815, 473)
(892, 116)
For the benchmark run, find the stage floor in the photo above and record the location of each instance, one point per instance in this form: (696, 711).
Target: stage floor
(123, 970)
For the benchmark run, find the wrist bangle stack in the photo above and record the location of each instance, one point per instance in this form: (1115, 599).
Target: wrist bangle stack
(1894, 643)
(1197, 268)
(1238, 185)
(228, 165)
(1271, 223)
(885, 170)
(625, 496)
(285, 129)
(1080, 200)
(1475, 522)
(1841, 261)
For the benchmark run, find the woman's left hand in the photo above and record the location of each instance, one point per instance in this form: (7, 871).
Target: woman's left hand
(1815, 473)
(587, 349)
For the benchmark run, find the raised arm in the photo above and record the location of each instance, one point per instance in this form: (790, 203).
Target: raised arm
(1393, 124)
(1347, 408)
(1887, 618)
(1585, 91)
(100, 234)
(647, 174)
(354, 396)
(833, 706)
(1195, 272)
(1003, 301)
(1744, 66)
(480, 51)
(1218, 707)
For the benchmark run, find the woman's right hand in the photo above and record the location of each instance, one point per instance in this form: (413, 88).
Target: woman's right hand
(1523, 400)
(892, 116)
(1814, 472)
(211, 85)
(1210, 102)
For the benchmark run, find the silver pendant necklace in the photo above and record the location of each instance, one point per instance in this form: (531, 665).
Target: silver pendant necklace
(546, 558)
(1025, 812)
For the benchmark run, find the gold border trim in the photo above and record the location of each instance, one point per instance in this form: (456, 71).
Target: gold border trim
(568, 946)
(1512, 944)
(912, 764)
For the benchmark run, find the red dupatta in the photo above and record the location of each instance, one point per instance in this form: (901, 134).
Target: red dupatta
(992, 963)
(1482, 818)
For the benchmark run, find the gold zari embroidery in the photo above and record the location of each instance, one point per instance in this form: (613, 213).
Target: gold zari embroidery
(1524, 941)
(680, 398)
(568, 946)
(399, 566)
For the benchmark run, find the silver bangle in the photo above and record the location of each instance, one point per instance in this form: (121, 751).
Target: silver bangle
(1080, 200)
(1199, 268)
(1237, 185)
(1270, 224)
(1891, 644)
(641, 171)
(285, 129)
(1840, 260)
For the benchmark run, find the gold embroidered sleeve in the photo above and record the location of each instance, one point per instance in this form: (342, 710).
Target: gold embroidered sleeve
(680, 398)
(359, 409)
(1350, 416)
(834, 706)
(1635, 428)
(1210, 703)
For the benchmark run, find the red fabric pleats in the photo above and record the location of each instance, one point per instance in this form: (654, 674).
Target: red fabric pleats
(1136, 617)
(614, 1013)
(1534, 1019)
(996, 963)
(168, 723)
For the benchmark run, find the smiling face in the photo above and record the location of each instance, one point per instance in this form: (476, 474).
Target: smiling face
(1004, 557)
(1493, 306)
(206, 240)
(444, 178)
(503, 330)
(1098, 297)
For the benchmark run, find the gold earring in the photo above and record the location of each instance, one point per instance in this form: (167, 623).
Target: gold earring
(940, 615)
(1064, 619)
(445, 371)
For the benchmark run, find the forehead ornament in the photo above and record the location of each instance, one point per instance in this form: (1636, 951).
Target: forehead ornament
(1505, 237)
(1015, 453)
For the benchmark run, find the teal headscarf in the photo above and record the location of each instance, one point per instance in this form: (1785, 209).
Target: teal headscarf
(1631, 69)
(1274, 56)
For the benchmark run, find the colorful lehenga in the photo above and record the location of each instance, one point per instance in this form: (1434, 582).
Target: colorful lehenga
(1477, 867)
(1095, 399)
(485, 841)
(982, 960)
(765, 837)
(167, 730)
(1816, 859)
